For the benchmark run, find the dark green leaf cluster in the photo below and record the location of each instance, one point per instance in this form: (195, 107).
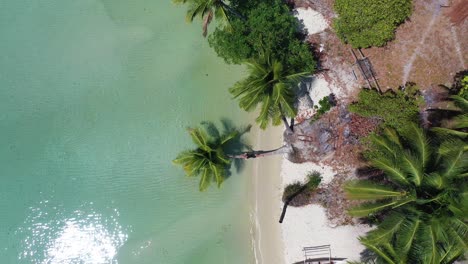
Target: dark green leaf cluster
(365, 23)
(398, 110)
(423, 198)
(208, 160)
(324, 105)
(313, 180)
(269, 29)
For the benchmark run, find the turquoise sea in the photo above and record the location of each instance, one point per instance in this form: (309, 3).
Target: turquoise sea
(95, 96)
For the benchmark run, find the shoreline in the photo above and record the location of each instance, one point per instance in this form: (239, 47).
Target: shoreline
(266, 196)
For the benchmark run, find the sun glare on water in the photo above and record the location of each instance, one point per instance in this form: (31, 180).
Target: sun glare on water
(82, 236)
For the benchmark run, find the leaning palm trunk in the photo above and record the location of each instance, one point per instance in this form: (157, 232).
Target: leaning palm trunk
(288, 127)
(260, 153)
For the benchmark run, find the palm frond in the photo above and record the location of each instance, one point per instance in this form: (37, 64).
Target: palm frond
(391, 169)
(205, 179)
(387, 229)
(378, 250)
(414, 167)
(455, 162)
(367, 190)
(407, 235)
(460, 102)
(200, 138)
(450, 132)
(420, 143)
(371, 208)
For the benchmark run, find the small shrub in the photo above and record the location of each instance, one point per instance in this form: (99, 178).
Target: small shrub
(398, 110)
(313, 180)
(324, 105)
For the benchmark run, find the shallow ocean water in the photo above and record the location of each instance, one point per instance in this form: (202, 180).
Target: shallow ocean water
(95, 97)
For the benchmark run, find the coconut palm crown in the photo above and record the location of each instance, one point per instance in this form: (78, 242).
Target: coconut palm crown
(271, 86)
(206, 10)
(208, 160)
(423, 198)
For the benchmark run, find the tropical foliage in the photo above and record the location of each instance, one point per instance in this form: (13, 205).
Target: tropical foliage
(397, 109)
(298, 194)
(458, 125)
(457, 104)
(324, 105)
(208, 160)
(270, 28)
(206, 10)
(270, 86)
(422, 198)
(365, 23)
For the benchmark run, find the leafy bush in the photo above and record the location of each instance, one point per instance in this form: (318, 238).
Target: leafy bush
(365, 23)
(270, 29)
(398, 110)
(325, 104)
(460, 84)
(313, 180)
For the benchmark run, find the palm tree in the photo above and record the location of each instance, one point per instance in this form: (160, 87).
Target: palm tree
(458, 126)
(271, 86)
(206, 9)
(423, 198)
(211, 159)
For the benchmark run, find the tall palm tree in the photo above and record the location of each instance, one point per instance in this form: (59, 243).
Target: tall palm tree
(423, 198)
(206, 10)
(271, 86)
(211, 159)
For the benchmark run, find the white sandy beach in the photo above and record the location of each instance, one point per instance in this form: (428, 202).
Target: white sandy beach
(308, 226)
(266, 185)
(305, 226)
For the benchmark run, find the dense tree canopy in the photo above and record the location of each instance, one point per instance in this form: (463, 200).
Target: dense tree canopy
(270, 28)
(365, 23)
(421, 198)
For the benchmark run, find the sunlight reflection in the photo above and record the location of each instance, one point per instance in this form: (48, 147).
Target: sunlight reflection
(53, 236)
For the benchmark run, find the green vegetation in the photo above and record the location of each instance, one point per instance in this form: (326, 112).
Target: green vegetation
(208, 160)
(215, 150)
(270, 86)
(324, 105)
(366, 23)
(456, 124)
(269, 30)
(464, 87)
(398, 110)
(206, 10)
(422, 198)
(292, 189)
(298, 193)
